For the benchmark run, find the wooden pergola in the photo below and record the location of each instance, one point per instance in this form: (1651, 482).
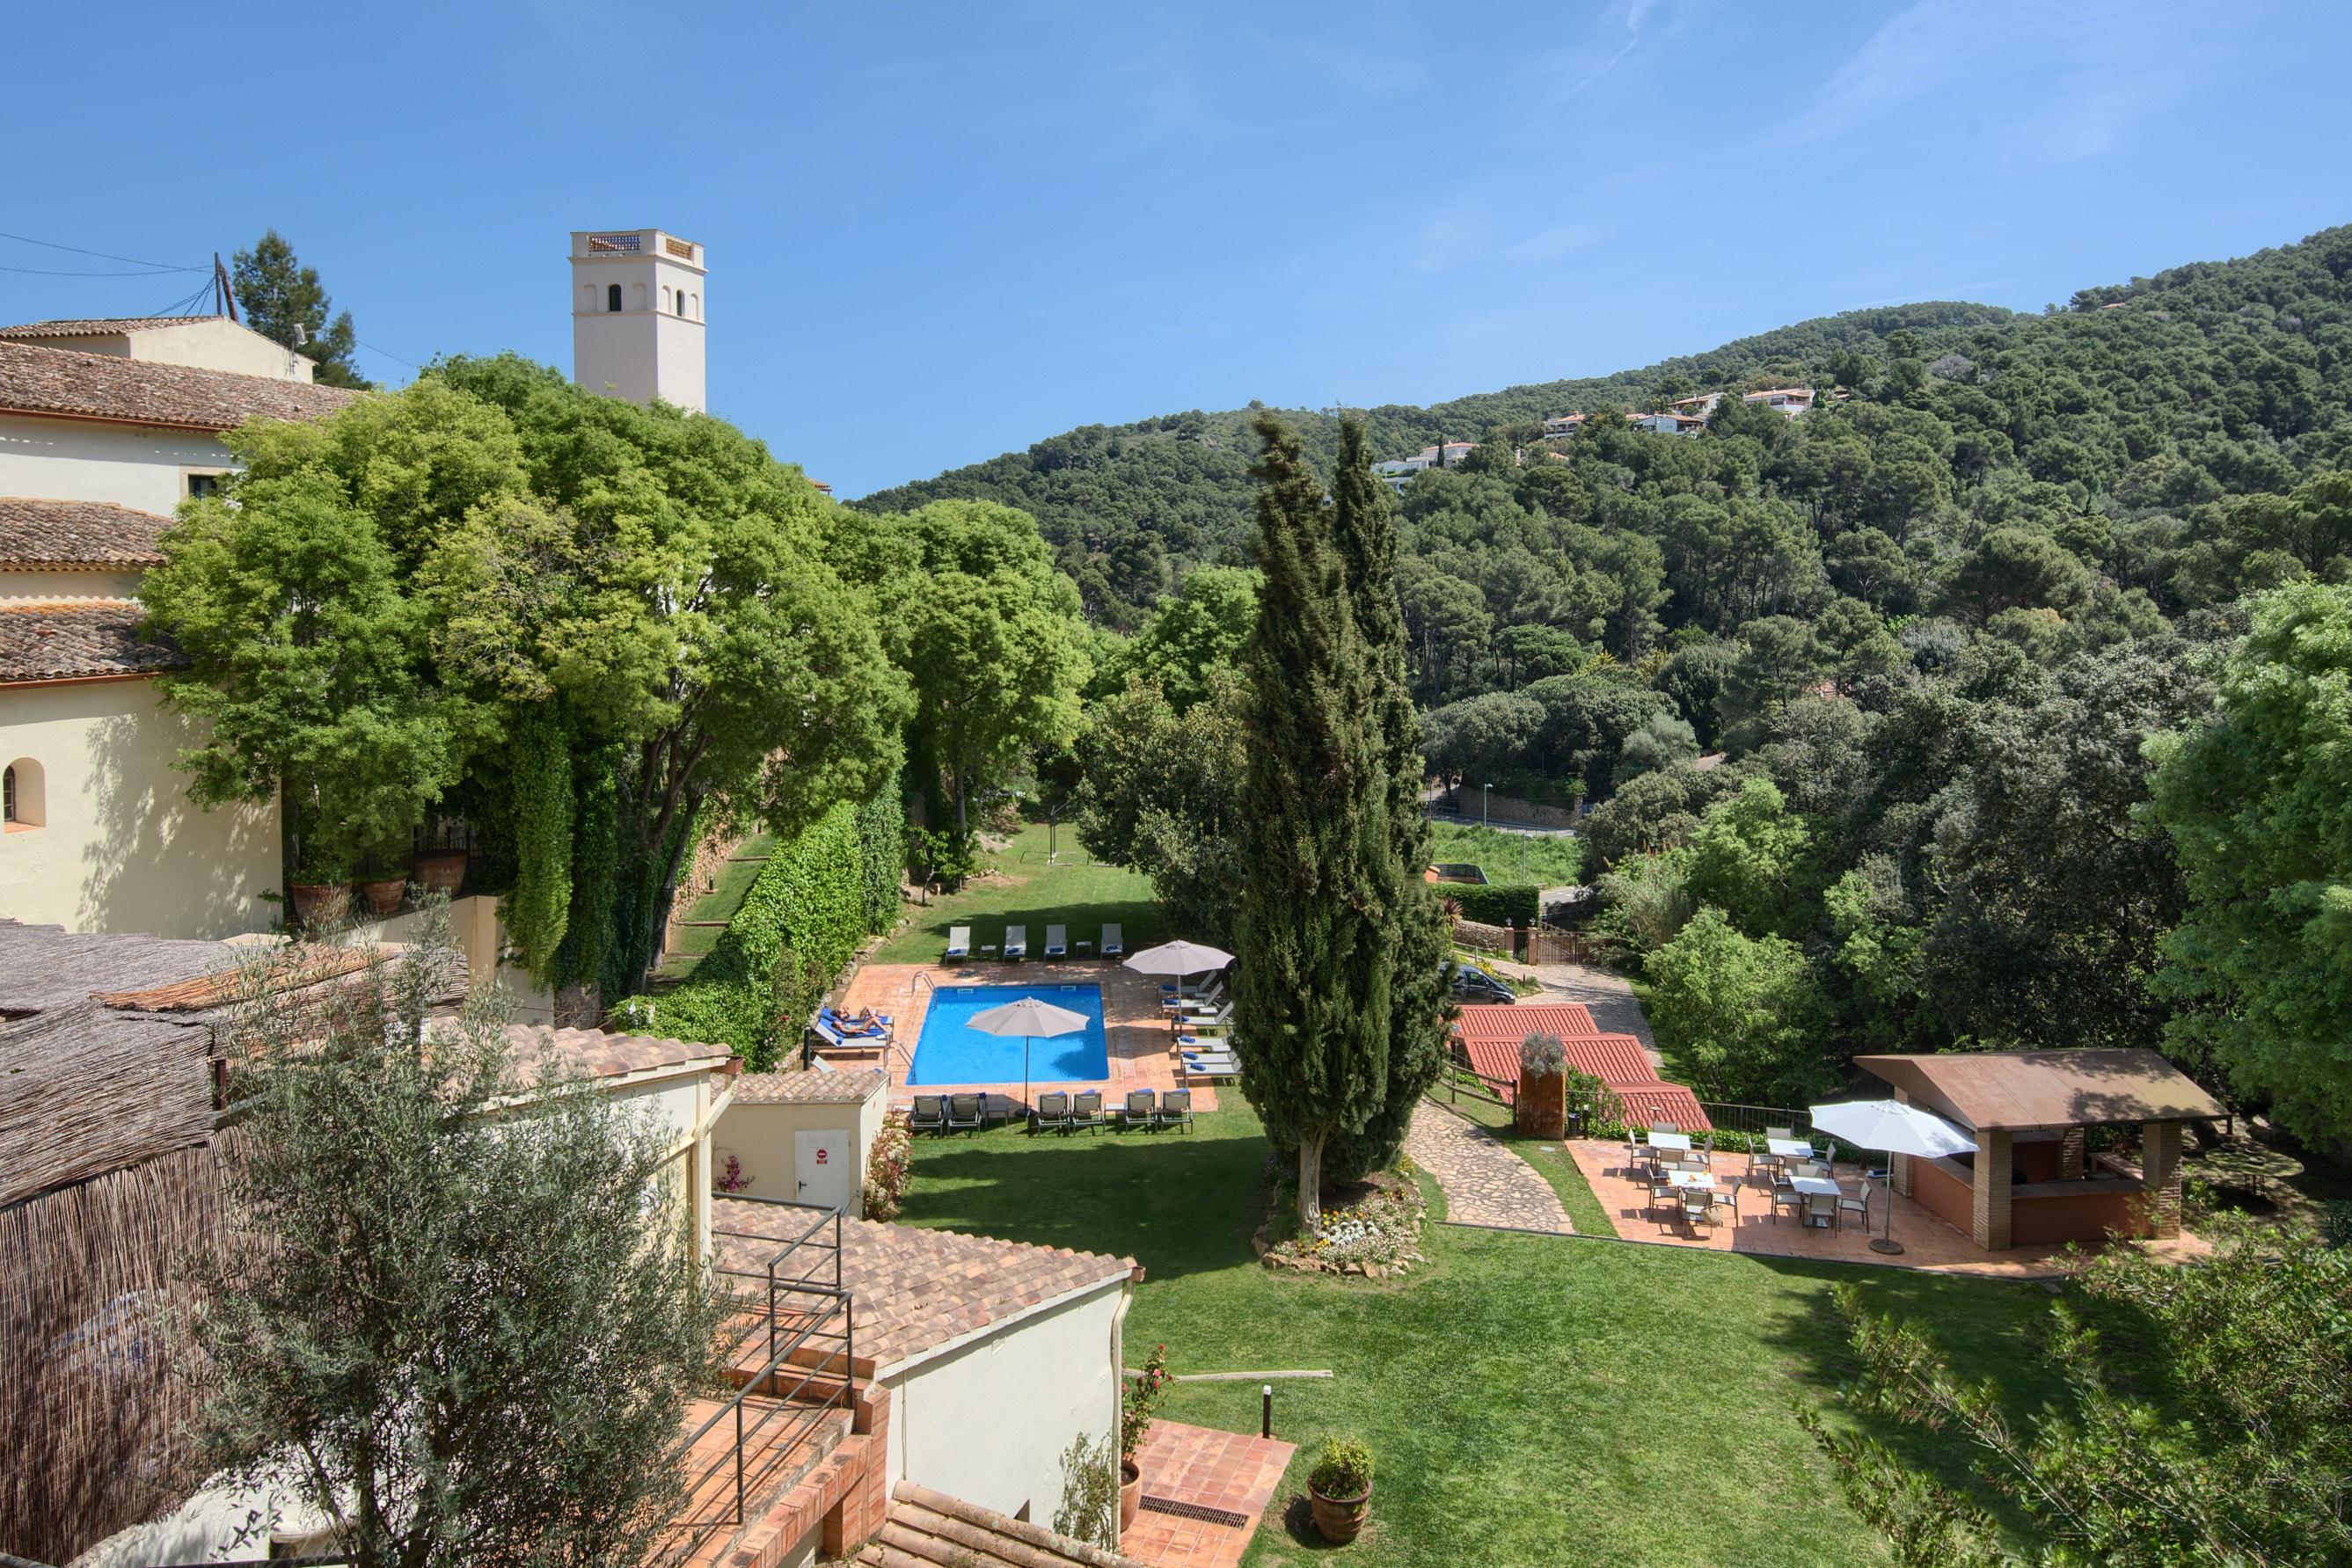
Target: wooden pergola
(2028, 1182)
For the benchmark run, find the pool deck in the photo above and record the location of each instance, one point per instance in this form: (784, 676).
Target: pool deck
(1142, 1045)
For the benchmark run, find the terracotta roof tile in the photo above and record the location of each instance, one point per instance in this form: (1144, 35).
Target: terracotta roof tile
(2020, 1089)
(38, 533)
(915, 1288)
(601, 1055)
(925, 1526)
(1492, 1033)
(1515, 1022)
(294, 970)
(99, 326)
(138, 392)
(78, 640)
(817, 1086)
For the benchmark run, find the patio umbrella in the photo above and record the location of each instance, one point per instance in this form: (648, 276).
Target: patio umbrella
(1028, 1018)
(1899, 1129)
(1179, 959)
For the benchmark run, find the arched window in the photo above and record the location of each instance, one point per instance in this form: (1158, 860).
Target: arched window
(636, 295)
(612, 297)
(681, 299)
(588, 296)
(20, 795)
(696, 310)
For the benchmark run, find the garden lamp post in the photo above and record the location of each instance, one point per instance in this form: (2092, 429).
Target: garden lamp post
(1483, 791)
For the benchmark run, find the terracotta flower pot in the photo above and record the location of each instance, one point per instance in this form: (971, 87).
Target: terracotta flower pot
(439, 870)
(1339, 1518)
(1130, 1493)
(320, 903)
(384, 894)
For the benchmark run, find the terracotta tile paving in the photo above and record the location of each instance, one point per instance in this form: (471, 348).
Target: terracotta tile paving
(1230, 1472)
(1929, 1240)
(1142, 1044)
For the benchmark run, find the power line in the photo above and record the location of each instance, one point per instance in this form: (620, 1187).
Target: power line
(103, 255)
(372, 349)
(56, 272)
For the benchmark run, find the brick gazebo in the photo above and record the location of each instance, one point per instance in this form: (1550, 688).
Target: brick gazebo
(2028, 1182)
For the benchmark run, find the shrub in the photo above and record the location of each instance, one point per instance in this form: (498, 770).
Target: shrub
(799, 923)
(1542, 1055)
(1495, 903)
(1089, 1511)
(890, 1168)
(1344, 1471)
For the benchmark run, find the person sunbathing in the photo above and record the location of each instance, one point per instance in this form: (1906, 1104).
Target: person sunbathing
(864, 1021)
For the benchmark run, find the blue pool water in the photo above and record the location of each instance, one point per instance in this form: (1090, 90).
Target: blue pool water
(950, 1051)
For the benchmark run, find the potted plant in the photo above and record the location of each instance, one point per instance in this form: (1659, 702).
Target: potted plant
(1340, 1490)
(386, 880)
(439, 870)
(1143, 1393)
(320, 881)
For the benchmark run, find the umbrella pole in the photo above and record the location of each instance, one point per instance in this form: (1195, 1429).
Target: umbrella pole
(1024, 1081)
(1886, 1243)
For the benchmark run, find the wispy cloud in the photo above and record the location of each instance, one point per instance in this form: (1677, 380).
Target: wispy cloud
(1634, 11)
(1918, 51)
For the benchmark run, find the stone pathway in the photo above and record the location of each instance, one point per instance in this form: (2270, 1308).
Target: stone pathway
(1484, 1183)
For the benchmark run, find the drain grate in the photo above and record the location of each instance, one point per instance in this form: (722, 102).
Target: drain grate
(1198, 1510)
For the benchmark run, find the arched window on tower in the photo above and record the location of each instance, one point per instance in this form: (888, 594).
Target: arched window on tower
(666, 299)
(636, 295)
(612, 297)
(588, 296)
(695, 309)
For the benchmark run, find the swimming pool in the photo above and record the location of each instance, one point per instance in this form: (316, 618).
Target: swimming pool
(950, 1050)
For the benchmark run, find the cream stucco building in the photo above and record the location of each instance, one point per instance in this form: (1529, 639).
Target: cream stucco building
(105, 428)
(637, 315)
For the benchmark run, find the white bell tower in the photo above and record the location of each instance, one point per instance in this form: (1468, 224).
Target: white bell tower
(637, 315)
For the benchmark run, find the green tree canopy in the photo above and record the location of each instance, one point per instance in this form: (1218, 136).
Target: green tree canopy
(2256, 803)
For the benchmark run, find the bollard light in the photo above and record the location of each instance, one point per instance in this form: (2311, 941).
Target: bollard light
(1265, 1410)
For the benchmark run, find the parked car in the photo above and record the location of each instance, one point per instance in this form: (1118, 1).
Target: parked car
(1473, 985)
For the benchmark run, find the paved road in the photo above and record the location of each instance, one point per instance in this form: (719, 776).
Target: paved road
(1484, 1183)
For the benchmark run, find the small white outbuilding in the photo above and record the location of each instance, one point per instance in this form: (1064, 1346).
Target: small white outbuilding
(803, 1136)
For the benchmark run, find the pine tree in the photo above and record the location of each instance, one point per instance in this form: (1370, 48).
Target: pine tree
(277, 294)
(1311, 996)
(1365, 525)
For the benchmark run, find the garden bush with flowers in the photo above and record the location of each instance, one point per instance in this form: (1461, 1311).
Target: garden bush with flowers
(1371, 1228)
(890, 1168)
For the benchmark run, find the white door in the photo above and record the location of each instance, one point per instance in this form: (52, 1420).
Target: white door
(821, 1166)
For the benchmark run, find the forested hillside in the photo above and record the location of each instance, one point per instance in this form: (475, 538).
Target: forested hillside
(1933, 636)
(1129, 507)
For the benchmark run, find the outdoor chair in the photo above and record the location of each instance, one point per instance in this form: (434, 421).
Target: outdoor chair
(1666, 1127)
(963, 1112)
(1848, 1203)
(1634, 1155)
(1016, 942)
(1140, 1109)
(929, 1114)
(1728, 1198)
(1821, 1205)
(1787, 1197)
(1696, 1208)
(1057, 941)
(1786, 1135)
(1053, 1111)
(959, 944)
(1086, 1111)
(995, 1108)
(1175, 1110)
(1114, 942)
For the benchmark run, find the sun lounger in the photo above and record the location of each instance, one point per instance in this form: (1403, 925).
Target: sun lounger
(1053, 1111)
(963, 1112)
(998, 1108)
(959, 944)
(822, 1036)
(1139, 1111)
(929, 1114)
(852, 1029)
(1212, 1065)
(1175, 1110)
(1085, 1110)
(1223, 1018)
(1114, 942)
(1016, 942)
(1057, 941)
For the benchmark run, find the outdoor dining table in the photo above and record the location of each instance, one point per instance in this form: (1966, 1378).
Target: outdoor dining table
(1816, 1186)
(1790, 1148)
(1685, 1179)
(1678, 1142)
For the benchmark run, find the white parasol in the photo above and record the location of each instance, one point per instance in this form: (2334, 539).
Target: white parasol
(1899, 1129)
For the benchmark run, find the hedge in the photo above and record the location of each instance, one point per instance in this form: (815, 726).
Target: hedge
(1492, 903)
(801, 921)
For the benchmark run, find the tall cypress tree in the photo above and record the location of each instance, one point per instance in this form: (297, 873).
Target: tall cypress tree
(1365, 525)
(1312, 998)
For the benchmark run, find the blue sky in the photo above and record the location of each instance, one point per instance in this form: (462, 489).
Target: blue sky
(939, 232)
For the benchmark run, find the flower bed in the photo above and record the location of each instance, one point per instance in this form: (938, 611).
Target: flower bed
(1370, 1228)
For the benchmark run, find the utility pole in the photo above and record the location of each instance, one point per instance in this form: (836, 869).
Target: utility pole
(223, 297)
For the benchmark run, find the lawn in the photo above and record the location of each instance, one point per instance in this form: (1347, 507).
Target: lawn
(1528, 1400)
(1015, 887)
(1545, 860)
(721, 902)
